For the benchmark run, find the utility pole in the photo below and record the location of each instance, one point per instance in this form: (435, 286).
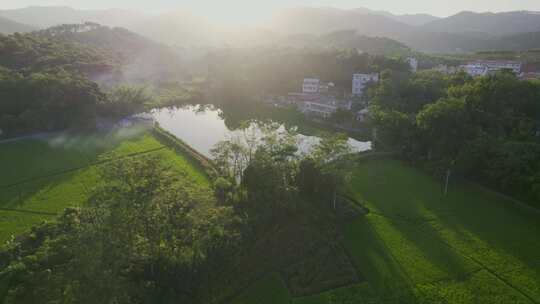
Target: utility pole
(448, 172)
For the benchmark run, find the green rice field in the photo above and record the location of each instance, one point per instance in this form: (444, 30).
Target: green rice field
(418, 246)
(41, 177)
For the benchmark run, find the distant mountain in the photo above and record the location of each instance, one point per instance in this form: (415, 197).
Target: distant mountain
(347, 39)
(176, 27)
(47, 16)
(8, 27)
(517, 42)
(306, 20)
(414, 19)
(410, 19)
(43, 17)
(491, 23)
(463, 32)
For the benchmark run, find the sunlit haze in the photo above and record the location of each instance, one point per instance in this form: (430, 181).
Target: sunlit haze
(245, 11)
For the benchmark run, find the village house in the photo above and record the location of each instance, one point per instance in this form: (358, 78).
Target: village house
(486, 67)
(361, 81)
(413, 64)
(311, 85)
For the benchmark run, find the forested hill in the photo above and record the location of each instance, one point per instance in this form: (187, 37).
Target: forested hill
(8, 27)
(136, 58)
(49, 79)
(349, 39)
(36, 52)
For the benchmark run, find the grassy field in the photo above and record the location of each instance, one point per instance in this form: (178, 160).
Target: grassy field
(471, 246)
(418, 246)
(41, 177)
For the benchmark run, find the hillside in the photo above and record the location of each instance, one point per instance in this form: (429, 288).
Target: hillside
(9, 27)
(347, 39)
(138, 58)
(49, 79)
(410, 19)
(490, 23)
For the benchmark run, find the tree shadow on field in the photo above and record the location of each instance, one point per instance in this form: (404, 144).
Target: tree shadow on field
(43, 195)
(374, 260)
(402, 216)
(495, 224)
(467, 229)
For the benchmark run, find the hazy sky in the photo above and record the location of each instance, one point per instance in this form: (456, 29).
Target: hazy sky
(435, 7)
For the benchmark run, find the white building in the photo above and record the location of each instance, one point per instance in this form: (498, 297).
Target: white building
(360, 81)
(311, 85)
(486, 67)
(319, 109)
(413, 64)
(324, 106)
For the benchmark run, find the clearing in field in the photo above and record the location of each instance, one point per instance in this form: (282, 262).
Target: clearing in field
(41, 177)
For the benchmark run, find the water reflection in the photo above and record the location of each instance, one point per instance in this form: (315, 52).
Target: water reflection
(203, 126)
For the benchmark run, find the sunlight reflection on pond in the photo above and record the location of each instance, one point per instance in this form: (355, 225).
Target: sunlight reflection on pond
(203, 127)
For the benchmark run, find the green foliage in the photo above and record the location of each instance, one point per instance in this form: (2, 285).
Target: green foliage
(45, 77)
(37, 53)
(445, 126)
(270, 289)
(47, 101)
(44, 176)
(240, 74)
(124, 100)
(476, 126)
(144, 233)
(408, 93)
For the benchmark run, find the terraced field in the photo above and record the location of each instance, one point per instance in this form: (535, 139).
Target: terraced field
(418, 246)
(41, 177)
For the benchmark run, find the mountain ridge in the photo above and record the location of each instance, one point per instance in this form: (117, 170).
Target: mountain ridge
(463, 32)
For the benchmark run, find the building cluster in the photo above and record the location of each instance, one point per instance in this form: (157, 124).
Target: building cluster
(480, 68)
(320, 99)
(487, 67)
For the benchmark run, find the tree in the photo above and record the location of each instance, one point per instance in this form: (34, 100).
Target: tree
(145, 236)
(341, 116)
(330, 158)
(446, 127)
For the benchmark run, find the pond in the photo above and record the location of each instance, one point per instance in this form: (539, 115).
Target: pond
(203, 127)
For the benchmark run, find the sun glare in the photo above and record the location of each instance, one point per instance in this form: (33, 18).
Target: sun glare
(234, 13)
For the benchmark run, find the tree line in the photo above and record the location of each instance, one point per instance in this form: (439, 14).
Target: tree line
(486, 129)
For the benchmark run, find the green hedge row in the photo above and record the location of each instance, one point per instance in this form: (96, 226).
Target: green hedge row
(181, 147)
